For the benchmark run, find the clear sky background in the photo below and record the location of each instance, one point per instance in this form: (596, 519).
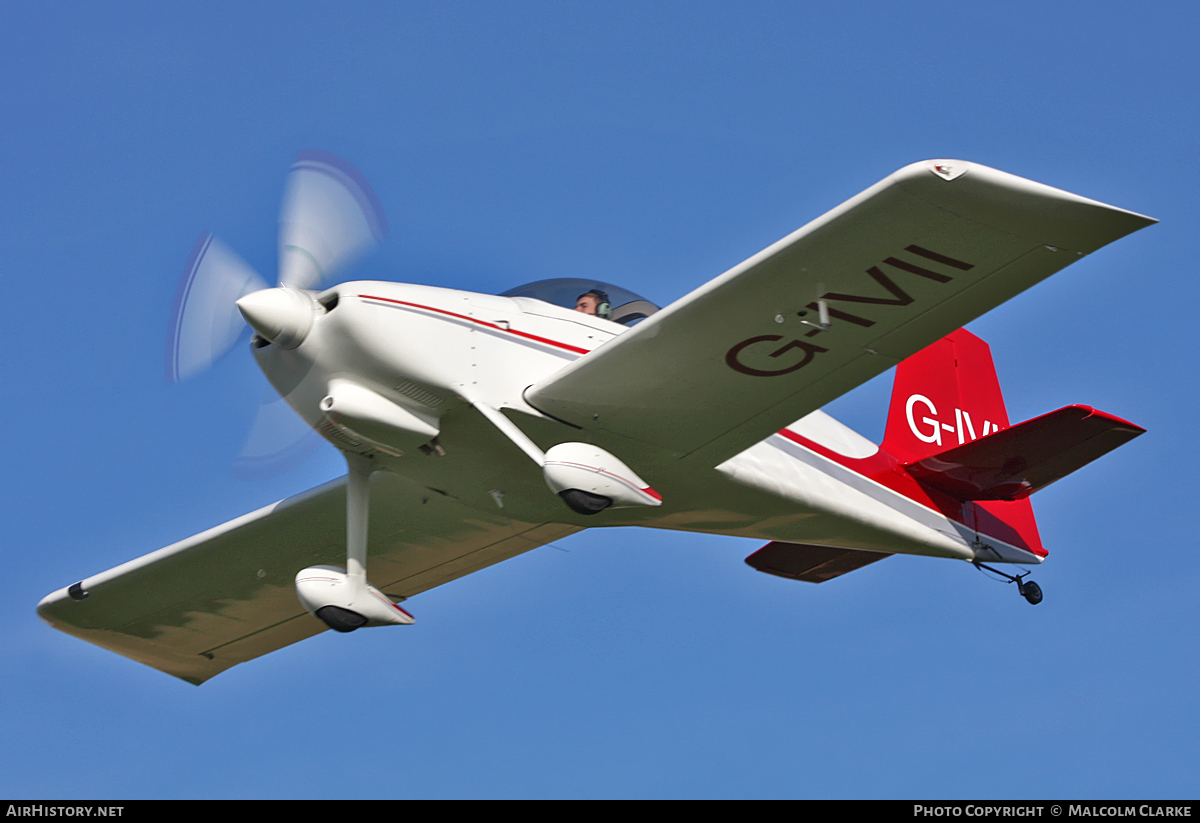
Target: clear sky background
(654, 145)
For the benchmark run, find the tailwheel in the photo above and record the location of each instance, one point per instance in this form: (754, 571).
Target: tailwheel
(1031, 591)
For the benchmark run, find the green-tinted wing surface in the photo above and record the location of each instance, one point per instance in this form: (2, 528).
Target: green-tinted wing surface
(227, 595)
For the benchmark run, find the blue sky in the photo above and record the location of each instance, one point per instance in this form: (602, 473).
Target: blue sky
(654, 145)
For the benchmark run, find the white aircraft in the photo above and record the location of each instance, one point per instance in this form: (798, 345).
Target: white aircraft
(476, 427)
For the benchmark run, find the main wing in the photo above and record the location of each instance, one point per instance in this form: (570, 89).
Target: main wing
(227, 595)
(901, 265)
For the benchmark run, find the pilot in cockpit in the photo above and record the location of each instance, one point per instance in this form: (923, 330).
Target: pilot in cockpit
(594, 302)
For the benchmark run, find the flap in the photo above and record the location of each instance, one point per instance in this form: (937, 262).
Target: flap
(901, 265)
(1013, 463)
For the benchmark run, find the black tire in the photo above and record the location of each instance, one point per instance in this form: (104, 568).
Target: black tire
(341, 620)
(1032, 592)
(582, 502)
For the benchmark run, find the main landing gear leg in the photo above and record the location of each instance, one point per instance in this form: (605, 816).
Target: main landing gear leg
(1026, 588)
(345, 600)
(358, 499)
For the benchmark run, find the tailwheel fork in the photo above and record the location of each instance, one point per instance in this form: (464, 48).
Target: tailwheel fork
(1031, 591)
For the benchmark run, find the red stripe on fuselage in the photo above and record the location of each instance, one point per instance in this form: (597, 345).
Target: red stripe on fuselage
(484, 323)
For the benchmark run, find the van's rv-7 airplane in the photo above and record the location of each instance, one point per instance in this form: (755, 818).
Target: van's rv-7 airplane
(476, 427)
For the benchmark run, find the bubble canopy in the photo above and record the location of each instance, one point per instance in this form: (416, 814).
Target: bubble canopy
(626, 307)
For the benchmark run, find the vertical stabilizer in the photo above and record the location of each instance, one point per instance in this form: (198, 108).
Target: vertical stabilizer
(947, 395)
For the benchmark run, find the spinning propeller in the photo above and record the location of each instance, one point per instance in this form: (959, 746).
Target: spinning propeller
(329, 219)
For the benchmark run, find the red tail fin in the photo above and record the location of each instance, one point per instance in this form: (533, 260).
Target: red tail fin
(944, 396)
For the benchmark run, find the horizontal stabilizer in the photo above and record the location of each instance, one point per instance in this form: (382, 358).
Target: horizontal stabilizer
(1013, 463)
(812, 564)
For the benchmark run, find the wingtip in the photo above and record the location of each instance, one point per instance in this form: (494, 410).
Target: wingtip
(1050, 215)
(47, 605)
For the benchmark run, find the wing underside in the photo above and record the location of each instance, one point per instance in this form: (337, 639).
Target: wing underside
(227, 595)
(901, 265)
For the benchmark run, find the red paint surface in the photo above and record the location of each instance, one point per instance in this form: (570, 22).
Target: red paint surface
(955, 373)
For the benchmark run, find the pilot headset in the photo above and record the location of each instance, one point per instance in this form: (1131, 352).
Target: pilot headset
(603, 304)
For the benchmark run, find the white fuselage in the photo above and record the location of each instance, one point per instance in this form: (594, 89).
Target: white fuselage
(435, 351)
